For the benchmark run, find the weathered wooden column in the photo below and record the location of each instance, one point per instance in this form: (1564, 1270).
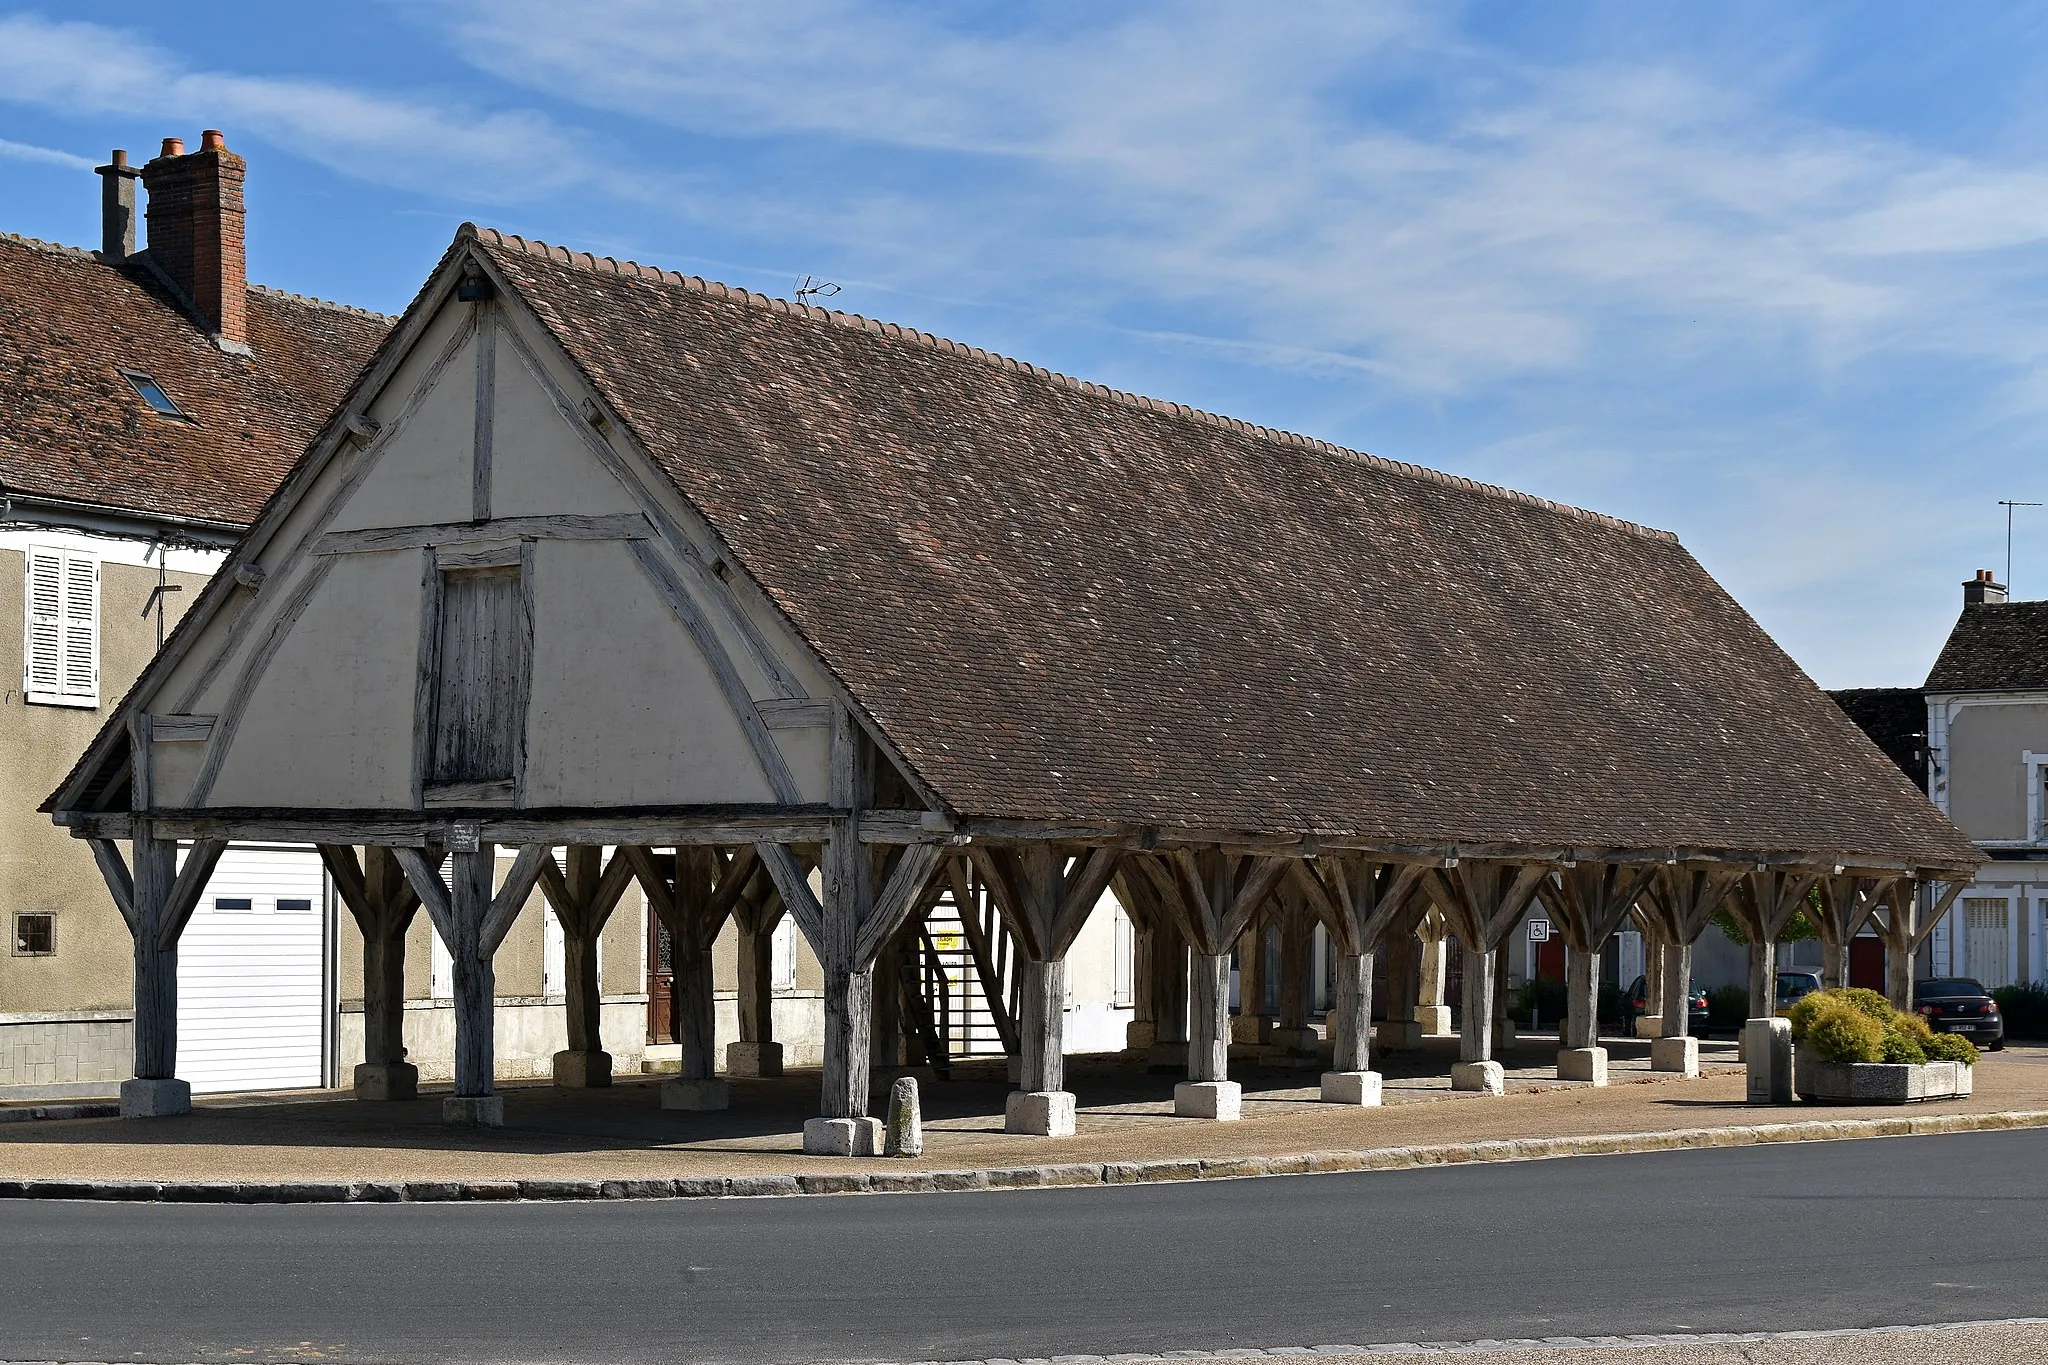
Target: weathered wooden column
(472, 922)
(1431, 1014)
(1589, 901)
(755, 916)
(1045, 895)
(1482, 901)
(1162, 983)
(1650, 1023)
(1142, 1031)
(1399, 1031)
(1764, 901)
(692, 892)
(382, 905)
(887, 1029)
(583, 898)
(1253, 1026)
(156, 900)
(1213, 894)
(1680, 905)
(1357, 901)
(1503, 1026)
(1677, 990)
(1293, 1035)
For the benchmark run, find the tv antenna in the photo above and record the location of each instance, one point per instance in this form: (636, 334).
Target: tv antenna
(161, 550)
(810, 287)
(2008, 504)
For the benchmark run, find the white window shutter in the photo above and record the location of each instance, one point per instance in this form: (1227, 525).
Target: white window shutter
(62, 648)
(82, 628)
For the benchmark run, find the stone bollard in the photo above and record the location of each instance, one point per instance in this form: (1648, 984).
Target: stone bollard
(906, 1125)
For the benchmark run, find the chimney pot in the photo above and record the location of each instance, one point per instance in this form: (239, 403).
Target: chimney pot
(1983, 590)
(120, 157)
(212, 140)
(174, 146)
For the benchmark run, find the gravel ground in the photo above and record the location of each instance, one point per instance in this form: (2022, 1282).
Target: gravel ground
(1989, 1344)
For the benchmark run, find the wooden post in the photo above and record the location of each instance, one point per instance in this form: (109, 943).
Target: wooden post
(1677, 990)
(1042, 1025)
(1168, 966)
(1254, 1021)
(1426, 983)
(156, 963)
(756, 983)
(694, 1013)
(475, 975)
(1653, 977)
(1475, 1024)
(1763, 977)
(1501, 1024)
(1143, 1030)
(583, 899)
(887, 1028)
(1582, 998)
(1406, 966)
(1209, 1017)
(375, 891)
(1297, 956)
(1351, 1014)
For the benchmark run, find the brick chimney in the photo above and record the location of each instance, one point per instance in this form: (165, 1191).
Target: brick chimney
(117, 208)
(1983, 589)
(195, 231)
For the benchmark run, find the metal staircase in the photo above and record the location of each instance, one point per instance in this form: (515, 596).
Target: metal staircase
(967, 972)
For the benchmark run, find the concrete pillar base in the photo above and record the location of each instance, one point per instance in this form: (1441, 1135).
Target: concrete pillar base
(1397, 1035)
(473, 1111)
(1040, 1113)
(1140, 1034)
(1767, 1054)
(1434, 1020)
(1649, 1026)
(1582, 1064)
(753, 1059)
(1484, 1078)
(1680, 1056)
(1221, 1100)
(843, 1137)
(1351, 1087)
(1167, 1057)
(583, 1070)
(159, 1099)
(696, 1092)
(387, 1081)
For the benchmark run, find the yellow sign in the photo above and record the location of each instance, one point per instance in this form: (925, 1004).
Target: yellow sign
(946, 943)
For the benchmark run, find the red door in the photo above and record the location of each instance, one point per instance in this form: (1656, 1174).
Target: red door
(1550, 959)
(1866, 962)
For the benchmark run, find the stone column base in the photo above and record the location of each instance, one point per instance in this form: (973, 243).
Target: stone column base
(697, 1092)
(583, 1070)
(1040, 1113)
(1680, 1056)
(387, 1081)
(1167, 1057)
(1767, 1053)
(1140, 1034)
(1250, 1028)
(843, 1137)
(1223, 1100)
(1397, 1035)
(1351, 1087)
(1484, 1078)
(1649, 1026)
(155, 1099)
(473, 1111)
(753, 1059)
(1434, 1020)
(1582, 1064)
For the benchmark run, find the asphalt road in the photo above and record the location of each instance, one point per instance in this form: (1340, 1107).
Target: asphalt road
(1839, 1234)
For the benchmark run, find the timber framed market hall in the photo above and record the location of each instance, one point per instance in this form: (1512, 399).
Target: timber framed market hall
(800, 613)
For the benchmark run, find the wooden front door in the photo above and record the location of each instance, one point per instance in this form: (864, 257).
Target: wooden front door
(1866, 962)
(660, 981)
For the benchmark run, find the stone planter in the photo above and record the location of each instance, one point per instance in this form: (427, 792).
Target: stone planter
(1876, 1082)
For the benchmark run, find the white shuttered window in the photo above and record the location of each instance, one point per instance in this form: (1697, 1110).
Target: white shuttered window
(62, 649)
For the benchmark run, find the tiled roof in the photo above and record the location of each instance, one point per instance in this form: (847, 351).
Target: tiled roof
(1895, 718)
(1995, 647)
(76, 430)
(1065, 603)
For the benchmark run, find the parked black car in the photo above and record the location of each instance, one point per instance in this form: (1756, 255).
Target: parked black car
(1636, 1003)
(1956, 1004)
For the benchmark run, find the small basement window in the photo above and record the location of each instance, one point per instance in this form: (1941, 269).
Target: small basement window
(153, 393)
(35, 935)
(294, 907)
(236, 904)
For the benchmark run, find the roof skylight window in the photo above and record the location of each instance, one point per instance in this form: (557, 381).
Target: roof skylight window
(153, 393)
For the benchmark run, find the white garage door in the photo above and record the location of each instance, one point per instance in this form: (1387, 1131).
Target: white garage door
(252, 975)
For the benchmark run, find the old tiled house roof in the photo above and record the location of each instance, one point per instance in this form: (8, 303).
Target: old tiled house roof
(1061, 602)
(78, 432)
(1895, 718)
(1994, 647)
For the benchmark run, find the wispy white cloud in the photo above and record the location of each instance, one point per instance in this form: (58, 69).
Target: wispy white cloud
(379, 136)
(50, 156)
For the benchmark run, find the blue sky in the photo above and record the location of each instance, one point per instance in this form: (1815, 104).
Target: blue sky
(1774, 277)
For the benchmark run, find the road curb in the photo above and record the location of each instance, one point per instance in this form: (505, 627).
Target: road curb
(830, 1182)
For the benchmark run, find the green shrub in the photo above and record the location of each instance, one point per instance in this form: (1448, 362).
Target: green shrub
(1950, 1047)
(1839, 1032)
(1900, 1046)
(1727, 1006)
(2025, 1008)
(1867, 1002)
(1802, 1013)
